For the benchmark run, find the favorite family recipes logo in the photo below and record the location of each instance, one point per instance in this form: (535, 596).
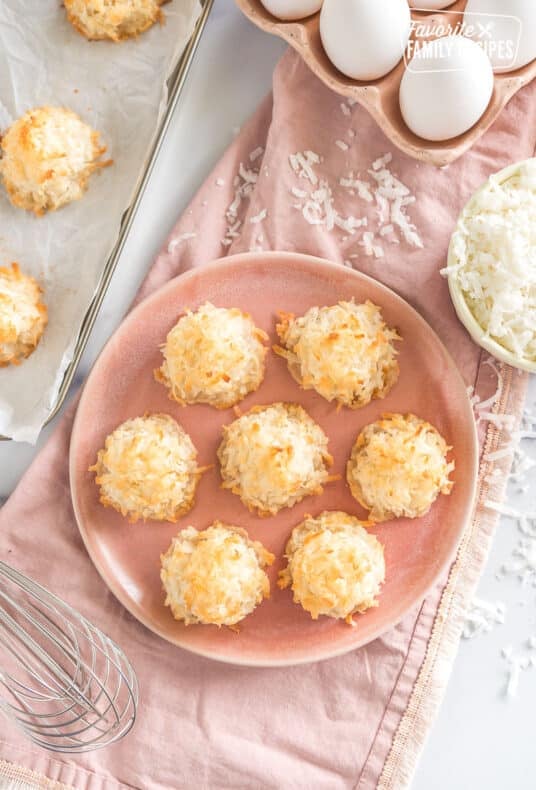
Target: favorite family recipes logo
(434, 40)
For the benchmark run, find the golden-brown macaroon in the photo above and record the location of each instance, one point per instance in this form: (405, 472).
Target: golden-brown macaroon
(148, 469)
(215, 576)
(23, 316)
(345, 352)
(214, 355)
(398, 467)
(115, 20)
(48, 156)
(274, 456)
(335, 567)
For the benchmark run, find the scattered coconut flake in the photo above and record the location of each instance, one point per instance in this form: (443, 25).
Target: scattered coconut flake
(515, 665)
(523, 563)
(311, 213)
(387, 192)
(243, 184)
(366, 242)
(382, 161)
(513, 679)
(482, 617)
(220, 182)
(302, 164)
(377, 250)
(256, 153)
(259, 217)
(386, 230)
(391, 196)
(345, 109)
(349, 224)
(250, 176)
(174, 243)
(363, 188)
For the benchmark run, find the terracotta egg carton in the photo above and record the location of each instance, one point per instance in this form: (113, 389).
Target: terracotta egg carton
(380, 97)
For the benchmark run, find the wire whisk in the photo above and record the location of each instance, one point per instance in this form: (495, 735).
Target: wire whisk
(66, 684)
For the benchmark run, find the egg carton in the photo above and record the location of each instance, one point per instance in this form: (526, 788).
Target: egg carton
(380, 97)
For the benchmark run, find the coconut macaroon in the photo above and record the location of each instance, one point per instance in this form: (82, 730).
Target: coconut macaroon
(215, 576)
(398, 467)
(48, 156)
(214, 355)
(23, 316)
(345, 352)
(335, 567)
(114, 20)
(274, 456)
(148, 469)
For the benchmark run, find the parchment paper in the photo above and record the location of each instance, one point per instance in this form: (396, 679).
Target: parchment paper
(119, 89)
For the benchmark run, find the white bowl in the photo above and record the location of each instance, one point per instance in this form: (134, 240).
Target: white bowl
(463, 311)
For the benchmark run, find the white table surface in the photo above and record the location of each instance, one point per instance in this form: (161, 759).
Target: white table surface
(481, 741)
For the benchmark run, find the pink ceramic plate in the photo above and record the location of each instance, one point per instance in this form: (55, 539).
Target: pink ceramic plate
(121, 385)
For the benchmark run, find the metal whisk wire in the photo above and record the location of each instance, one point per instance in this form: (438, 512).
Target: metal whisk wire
(66, 684)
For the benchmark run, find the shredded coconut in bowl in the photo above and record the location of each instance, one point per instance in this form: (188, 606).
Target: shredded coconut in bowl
(492, 259)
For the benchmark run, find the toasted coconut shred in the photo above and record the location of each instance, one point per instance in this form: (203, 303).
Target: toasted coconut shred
(215, 576)
(148, 469)
(345, 352)
(274, 456)
(23, 316)
(48, 156)
(494, 260)
(398, 467)
(335, 567)
(215, 355)
(115, 20)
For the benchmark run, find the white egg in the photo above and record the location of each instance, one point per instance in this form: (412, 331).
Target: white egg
(365, 39)
(506, 29)
(446, 88)
(430, 5)
(292, 9)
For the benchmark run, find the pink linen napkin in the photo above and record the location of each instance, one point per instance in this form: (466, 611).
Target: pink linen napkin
(360, 720)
